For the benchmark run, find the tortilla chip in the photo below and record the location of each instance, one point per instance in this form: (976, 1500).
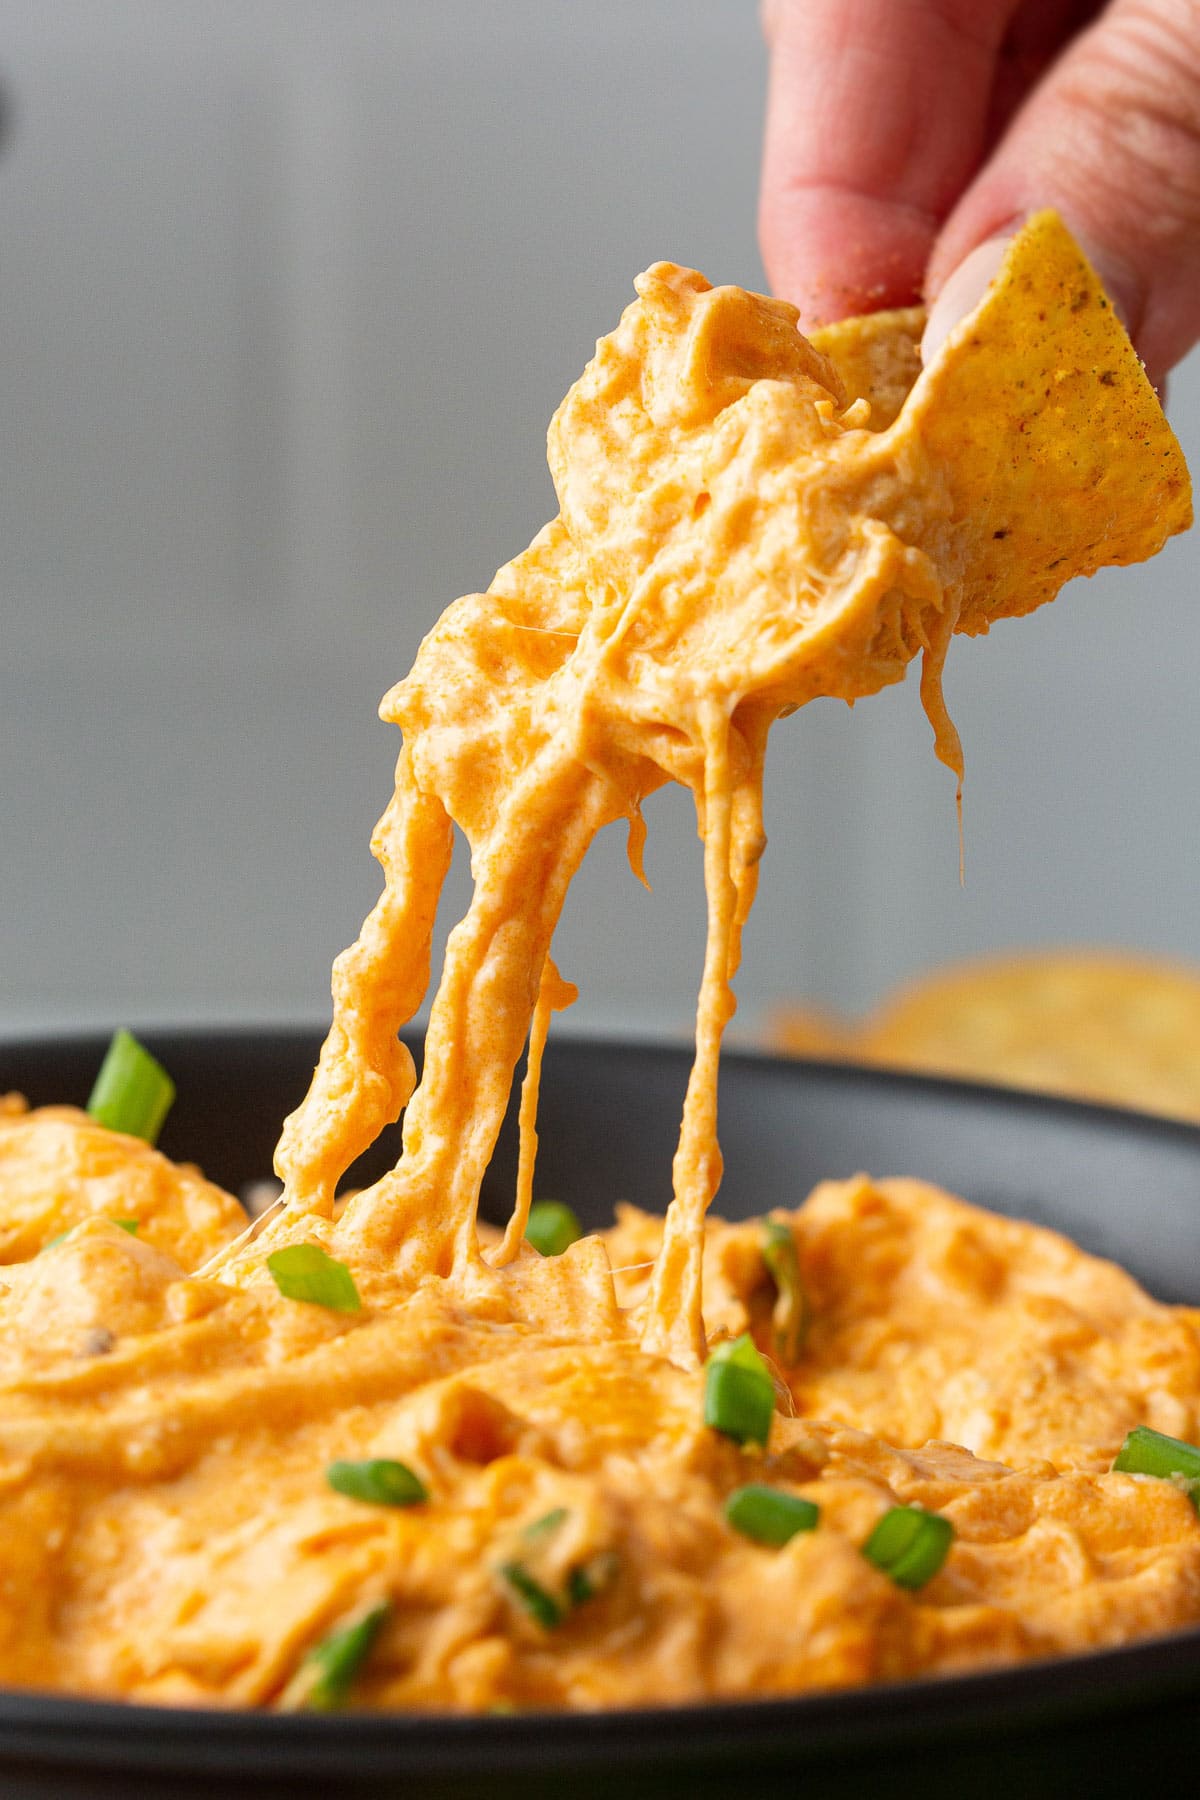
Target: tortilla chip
(805, 1030)
(1094, 1025)
(1058, 455)
(1055, 447)
(878, 358)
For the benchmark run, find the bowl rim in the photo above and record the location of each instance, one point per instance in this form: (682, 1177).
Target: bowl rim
(66, 1730)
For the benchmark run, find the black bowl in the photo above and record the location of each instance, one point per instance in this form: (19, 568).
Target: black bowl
(1121, 1184)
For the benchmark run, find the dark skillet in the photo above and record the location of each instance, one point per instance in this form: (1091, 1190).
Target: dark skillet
(1120, 1722)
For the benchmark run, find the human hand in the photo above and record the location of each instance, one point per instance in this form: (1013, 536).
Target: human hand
(906, 139)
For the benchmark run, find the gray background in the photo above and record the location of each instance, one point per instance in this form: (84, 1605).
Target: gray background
(288, 292)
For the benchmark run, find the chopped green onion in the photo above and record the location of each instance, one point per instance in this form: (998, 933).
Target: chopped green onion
(548, 1523)
(325, 1677)
(1147, 1452)
(910, 1545)
(586, 1579)
(742, 1351)
(129, 1225)
(580, 1587)
(592, 1577)
(378, 1482)
(739, 1395)
(790, 1315)
(133, 1093)
(583, 1582)
(552, 1227)
(768, 1515)
(542, 1607)
(305, 1272)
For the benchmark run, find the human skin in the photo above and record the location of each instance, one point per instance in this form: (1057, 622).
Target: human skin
(906, 139)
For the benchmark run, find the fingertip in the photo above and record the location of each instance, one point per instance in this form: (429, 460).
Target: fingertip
(835, 254)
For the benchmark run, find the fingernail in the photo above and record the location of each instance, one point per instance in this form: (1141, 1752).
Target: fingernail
(963, 292)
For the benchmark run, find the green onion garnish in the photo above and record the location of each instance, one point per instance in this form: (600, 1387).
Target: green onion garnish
(790, 1314)
(582, 1584)
(548, 1523)
(133, 1093)
(1147, 1452)
(768, 1515)
(129, 1225)
(739, 1395)
(552, 1227)
(305, 1272)
(541, 1606)
(592, 1577)
(378, 1482)
(910, 1545)
(325, 1677)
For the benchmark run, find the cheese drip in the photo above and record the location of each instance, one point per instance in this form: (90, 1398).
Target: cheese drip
(734, 539)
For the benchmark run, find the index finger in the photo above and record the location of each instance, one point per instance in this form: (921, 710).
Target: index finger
(876, 115)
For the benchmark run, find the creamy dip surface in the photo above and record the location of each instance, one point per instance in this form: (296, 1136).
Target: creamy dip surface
(747, 520)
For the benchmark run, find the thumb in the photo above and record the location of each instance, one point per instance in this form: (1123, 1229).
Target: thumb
(1111, 139)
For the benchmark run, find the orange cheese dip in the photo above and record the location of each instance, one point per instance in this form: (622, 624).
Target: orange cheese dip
(748, 520)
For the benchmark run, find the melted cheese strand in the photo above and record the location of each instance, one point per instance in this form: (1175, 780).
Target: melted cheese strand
(674, 1326)
(365, 1076)
(554, 994)
(422, 1215)
(947, 745)
(730, 810)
